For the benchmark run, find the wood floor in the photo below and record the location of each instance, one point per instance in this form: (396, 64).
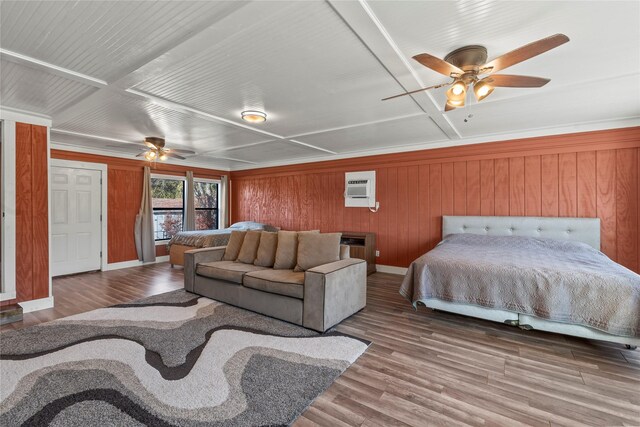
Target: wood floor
(427, 368)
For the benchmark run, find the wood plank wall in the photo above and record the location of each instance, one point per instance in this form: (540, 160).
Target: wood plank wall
(32, 213)
(584, 174)
(124, 192)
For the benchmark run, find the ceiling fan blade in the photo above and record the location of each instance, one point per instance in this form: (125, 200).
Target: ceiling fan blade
(526, 52)
(142, 154)
(506, 80)
(175, 156)
(436, 64)
(416, 91)
(179, 150)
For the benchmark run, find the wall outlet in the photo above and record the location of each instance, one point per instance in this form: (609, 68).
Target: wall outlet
(377, 253)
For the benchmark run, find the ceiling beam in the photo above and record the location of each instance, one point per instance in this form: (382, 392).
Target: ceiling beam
(361, 19)
(19, 58)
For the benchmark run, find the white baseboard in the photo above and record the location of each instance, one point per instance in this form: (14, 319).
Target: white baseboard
(36, 304)
(5, 296)
(391, 269)
(135, 263)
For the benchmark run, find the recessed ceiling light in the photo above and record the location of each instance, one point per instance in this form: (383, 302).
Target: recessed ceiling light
(253, 116)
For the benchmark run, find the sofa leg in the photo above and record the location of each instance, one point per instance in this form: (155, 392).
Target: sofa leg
(630, 347)
(171, 265)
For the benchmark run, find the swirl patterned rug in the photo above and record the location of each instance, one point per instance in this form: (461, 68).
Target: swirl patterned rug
(172, 359)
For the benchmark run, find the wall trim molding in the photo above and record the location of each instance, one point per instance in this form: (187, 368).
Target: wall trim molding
(391, 269)
(135, 263)
(16, 115)
(422, 152)
(6, 296)
(36, 304)
(104, 186)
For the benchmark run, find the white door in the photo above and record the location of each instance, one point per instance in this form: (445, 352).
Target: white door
(75, 220)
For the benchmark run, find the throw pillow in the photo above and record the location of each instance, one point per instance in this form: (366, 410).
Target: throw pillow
(233, 247)
(249, 247)
(317, 249)
(266, 255)
(286, 253)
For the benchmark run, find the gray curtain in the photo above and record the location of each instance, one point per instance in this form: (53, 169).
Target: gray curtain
(143, 232)
(190, 211)
(224, 201)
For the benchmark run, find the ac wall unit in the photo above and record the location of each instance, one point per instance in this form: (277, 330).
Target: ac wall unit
(360, 189)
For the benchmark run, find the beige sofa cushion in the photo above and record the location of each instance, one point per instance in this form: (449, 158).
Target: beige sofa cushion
(226, 270)
(317, 249)
(249, 247)
(266, 255)
(233, 247)
(286, 253)
(283, 282)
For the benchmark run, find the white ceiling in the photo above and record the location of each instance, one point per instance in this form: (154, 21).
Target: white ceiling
(110, 73)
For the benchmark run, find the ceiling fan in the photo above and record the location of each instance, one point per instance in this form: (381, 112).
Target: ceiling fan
(155, 150)
(467, 65)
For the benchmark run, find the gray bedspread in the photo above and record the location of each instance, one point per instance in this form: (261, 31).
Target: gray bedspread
(213, 238)
(560, 281)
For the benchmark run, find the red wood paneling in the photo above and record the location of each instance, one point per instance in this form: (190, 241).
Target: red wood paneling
(587, 174)
(32, 213)
(24, 213)
(606, 200)
(532, 186)
(124, 194)
(549, 170)
(627, 207)
(40, 221)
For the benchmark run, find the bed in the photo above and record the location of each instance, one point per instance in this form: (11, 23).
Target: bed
(188, 240)
(537, 273)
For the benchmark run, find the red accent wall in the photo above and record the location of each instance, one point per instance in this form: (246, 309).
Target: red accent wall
(32, 213)
(124, 192)
(584, 174)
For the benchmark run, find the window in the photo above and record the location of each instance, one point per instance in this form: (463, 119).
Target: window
(206, 202)
(168, 206)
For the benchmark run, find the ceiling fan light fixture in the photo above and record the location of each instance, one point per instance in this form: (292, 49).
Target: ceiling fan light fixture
(163, 157)
(482, 89)
(150, 155)
(253, 116)
(457, 93)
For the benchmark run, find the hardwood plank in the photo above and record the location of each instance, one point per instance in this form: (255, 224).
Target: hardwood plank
(424, 367)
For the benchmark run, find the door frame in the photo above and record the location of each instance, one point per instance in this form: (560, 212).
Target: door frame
(102, 167)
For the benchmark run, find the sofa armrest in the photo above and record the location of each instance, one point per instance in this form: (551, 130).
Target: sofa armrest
(197, 256)
(333, 292)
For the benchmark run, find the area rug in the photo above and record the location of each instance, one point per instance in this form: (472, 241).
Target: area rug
(172, 359)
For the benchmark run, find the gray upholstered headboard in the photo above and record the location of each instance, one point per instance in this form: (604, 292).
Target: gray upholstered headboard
(585, 230)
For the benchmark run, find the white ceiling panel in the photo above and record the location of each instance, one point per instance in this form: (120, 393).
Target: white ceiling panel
(604, 35)
(103, 39)
(301, 64)
(131, 118)
(382, 135)
(185, 70)
(618, 98)
(34, 90)
(272, 151)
